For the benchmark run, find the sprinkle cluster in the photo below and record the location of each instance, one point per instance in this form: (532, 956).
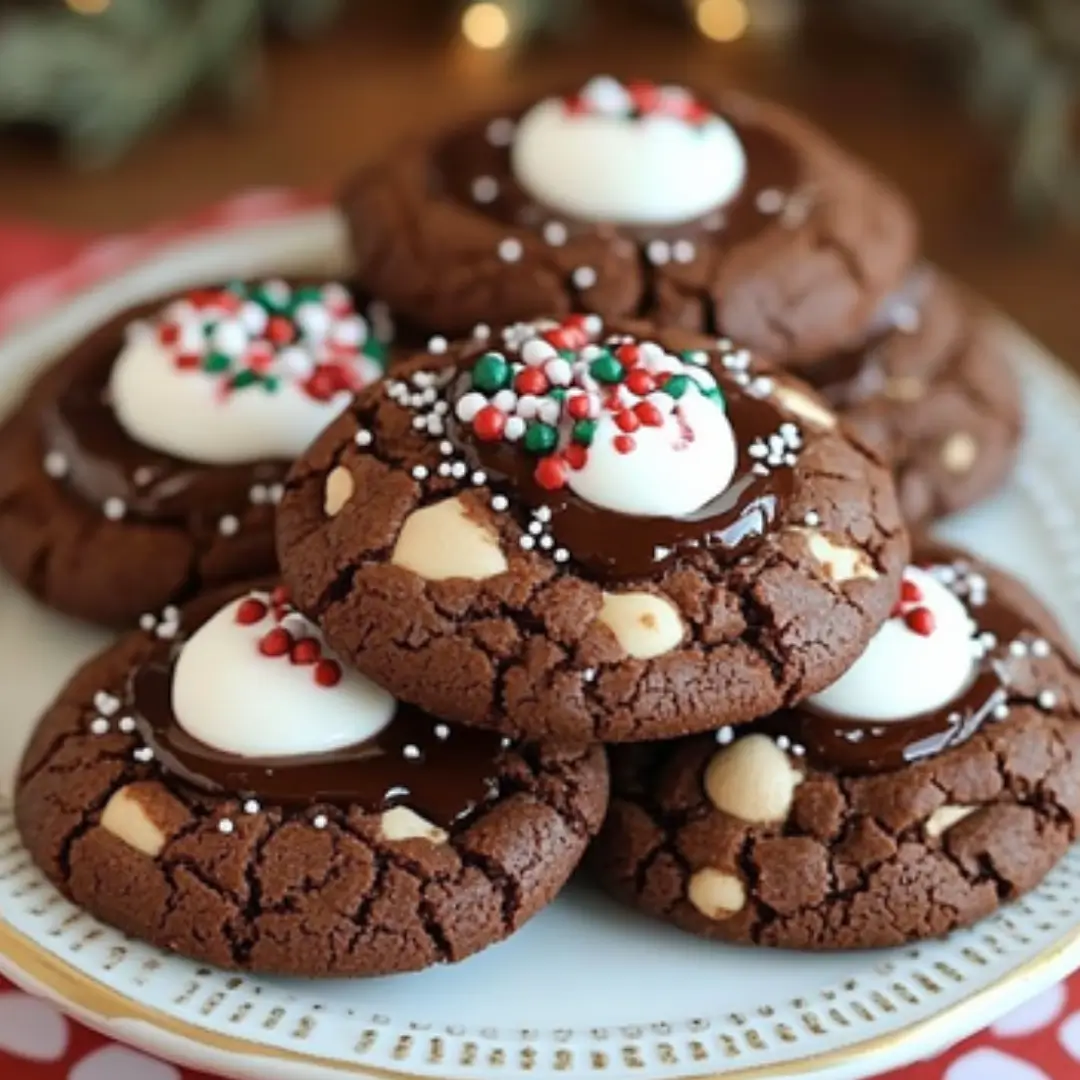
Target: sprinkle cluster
(265, 335)
(910, 607)
(550, 396)
(605, 96)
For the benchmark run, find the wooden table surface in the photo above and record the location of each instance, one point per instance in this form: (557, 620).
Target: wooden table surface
(331, 104)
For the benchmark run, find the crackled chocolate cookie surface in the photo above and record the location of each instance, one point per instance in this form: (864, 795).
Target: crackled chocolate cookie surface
(722, 214)
(938, 778)
(932, 393)
(592, 532)
(144, 466)
(220, 785)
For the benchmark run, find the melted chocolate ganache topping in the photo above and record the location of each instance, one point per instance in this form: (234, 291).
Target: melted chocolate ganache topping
(855, 746)
(450, 772)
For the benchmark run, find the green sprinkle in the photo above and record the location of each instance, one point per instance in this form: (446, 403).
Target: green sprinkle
(216, 361)
(273, 303)
(584, 431)
(375, 350)
(271, 384)
(717, 395)
(697, 357)
(606, 369)
(677, 385)
(540, 438)
(558, 393)
(247, 377)
(491, 373)
(307, 294)
(568, 354)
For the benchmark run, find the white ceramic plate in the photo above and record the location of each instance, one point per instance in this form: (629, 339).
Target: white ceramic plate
(586, 990)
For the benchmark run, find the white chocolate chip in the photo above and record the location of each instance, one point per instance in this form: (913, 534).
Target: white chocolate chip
(444, 541)
(716, 894)
(807, 408)
(401, 823)
(340, 488)
(840, 562)
(959, 452)
(126, 816)
(752, 780)
(644, 624)
(945, 817)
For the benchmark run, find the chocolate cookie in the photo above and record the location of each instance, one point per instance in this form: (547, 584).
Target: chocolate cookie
(221, 786)
(931, 392)
(587, 533)
(145, 465)
(937, 779)
(709, 212)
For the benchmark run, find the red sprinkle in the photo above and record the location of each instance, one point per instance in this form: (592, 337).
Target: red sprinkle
(187, 361)
(305, 651)
(276, 642)
(628, 355)
(489, 423)
(250, 611)
(645, 96)
(624, 443)
(640, 382)
(327, 673)
(259, 357)
(280, 596)
(627, 421)
(279, 330)
(576, 455)
(649, 414)
(531, 381)
(168, 333)
(578, 407)
(550, 473)
(921, 621)
(910, 593)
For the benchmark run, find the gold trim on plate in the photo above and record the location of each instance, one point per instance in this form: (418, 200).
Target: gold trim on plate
(93, 999)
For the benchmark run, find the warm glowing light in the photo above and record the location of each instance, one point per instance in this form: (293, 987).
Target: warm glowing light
(88, 7)
(486, 25)
(722, 20)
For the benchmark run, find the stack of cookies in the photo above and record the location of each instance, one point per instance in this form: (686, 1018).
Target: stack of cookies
(644, 497)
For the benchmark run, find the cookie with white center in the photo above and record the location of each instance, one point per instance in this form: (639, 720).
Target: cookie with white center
(145, 465)
(223, 787)
(712, 212)
(930, 390)
(590, 532)
(936, 780)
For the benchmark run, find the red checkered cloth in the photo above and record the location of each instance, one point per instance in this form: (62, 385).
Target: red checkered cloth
(38, 269)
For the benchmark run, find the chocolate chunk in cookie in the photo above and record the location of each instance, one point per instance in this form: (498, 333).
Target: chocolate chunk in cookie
(932, 393)
(223, 787)
(145, 465)
(619, 533)
(708, 212)
(937, 779)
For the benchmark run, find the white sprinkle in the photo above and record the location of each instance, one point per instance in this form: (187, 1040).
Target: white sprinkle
(770, 201)
(362, 438)
(126, 725)
(320, 821)
(442, 731)
(466, 409)
(515, 428)
(684, 251)
(542, 513)
(229, 525)
(1040, 648)
(726, 735)
(225, 826)
(1047, 699)
(758, 450)
(55, 464)
(479, 478)
(166, 631)
(481, 330)
(444, 468)
(511, 249)
(549, 410)
(500, 131)
(257, 494)
(561, 555)
(435, 426)
(762, 386)
(419, 423)
(106, 703)
(114, 508)
(760, 470)
(251, 806)
(658, 252)
(527, 543)
(500, 503)
(1018, 648)
(419, 472)
(506, 742)
(458, 470)
(584, 277)
(589, 675)
(555, 233)
(506, 401)
(783, 742)
(790, 459)
(812, 518)
(1001, 712)
(143, 754)
(546, 542)
(535, 528)
(437, 344)
(99, 725)
(410, 752)
(446, 448)
(147, 622)
(485, 189)
(276, 493)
